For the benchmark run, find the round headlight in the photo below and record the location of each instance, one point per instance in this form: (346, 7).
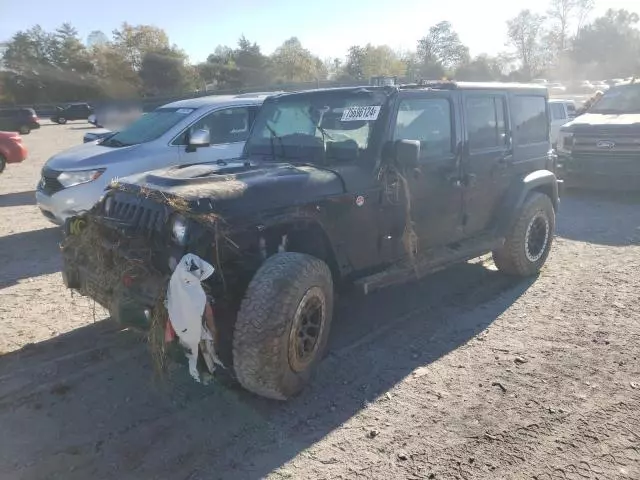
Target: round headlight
(179, 230)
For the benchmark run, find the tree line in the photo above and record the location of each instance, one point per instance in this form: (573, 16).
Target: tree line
(139, 61)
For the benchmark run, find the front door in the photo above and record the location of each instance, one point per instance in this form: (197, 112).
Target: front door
(436, 197)
(488, 159)
(228, 129)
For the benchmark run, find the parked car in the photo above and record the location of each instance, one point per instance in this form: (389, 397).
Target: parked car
(115, 115)
(540, 81)
(556, 88)
(12, 150)
(320, 199)
(601, 85)
(97, 134)
(561, 112)
(21, 120)
(72, 111)
(600, 149)
(74, 180)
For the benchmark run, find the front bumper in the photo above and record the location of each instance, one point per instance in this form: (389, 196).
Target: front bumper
(617, 174)
(118, 279)
(69, 202)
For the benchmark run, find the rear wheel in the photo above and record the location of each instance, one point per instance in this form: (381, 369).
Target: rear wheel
(62, 120)
(24, 130)
(283, 325)
(528, 244)
(3, 163)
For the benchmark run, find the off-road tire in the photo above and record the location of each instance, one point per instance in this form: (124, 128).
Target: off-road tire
(514, 258)
(62, 120)
(3, 163)
(24, 130)
(268, 313)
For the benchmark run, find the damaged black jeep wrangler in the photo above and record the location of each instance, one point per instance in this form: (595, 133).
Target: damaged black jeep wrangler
(352, 186)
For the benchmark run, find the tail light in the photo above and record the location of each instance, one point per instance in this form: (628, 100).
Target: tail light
(35, 118)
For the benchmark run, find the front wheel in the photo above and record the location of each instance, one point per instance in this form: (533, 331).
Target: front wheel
(528, 244)
(24, 130)
(283, 325)
(62, 120)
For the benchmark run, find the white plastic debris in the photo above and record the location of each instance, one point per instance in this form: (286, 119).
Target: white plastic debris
(186, 302)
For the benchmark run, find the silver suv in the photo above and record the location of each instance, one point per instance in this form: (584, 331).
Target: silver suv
(189, 131)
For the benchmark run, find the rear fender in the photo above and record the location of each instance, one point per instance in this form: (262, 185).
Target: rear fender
(543, 181)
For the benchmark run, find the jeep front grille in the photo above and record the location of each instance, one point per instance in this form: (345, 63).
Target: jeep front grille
(144, 215)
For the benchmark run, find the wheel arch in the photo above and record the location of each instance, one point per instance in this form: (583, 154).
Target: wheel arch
(542, 181)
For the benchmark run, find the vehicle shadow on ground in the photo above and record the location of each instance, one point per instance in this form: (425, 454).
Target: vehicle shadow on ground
(85, 405)
(86, 127)
(39, 255)
(18, 199)
(604, 218)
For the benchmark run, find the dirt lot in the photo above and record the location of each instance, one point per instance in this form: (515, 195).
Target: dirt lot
(465, 375)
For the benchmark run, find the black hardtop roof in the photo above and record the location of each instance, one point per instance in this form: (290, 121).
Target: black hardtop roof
(430, 85)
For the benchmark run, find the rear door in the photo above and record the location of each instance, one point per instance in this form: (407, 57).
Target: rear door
(436, 198)
(488, 157)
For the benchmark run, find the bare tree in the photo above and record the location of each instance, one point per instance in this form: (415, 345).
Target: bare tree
(562, 12)
(583, 10)
(525, 35)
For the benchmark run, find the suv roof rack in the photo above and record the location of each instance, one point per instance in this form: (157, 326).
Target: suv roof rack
(439, 84)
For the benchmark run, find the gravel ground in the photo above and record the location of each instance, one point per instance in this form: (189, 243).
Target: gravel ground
(464, 375)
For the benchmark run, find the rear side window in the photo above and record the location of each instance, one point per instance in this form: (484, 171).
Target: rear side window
(429, 121)
(486, 121)
(530, 119)
(557, 111)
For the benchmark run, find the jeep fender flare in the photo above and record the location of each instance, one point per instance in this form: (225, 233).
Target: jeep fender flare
(296, 226)
(543, 181)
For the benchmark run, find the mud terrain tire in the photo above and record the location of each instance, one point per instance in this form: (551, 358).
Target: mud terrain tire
(528, 243)
(283, 325)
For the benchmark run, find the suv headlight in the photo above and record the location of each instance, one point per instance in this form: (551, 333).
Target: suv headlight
(179, 230)
(565, 142)
(70, 179)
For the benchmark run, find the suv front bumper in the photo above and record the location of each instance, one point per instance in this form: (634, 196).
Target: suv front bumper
(600, 173)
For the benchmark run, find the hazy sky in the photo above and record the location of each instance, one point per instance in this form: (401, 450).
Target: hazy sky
(326, 27)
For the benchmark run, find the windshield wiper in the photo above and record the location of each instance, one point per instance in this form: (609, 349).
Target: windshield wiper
(113, 142)
(274, 135)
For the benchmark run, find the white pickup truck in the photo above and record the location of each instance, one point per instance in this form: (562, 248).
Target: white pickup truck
(561, 111)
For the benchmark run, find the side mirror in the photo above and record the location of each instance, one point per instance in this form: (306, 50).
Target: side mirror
(197, 139)
(407, 153)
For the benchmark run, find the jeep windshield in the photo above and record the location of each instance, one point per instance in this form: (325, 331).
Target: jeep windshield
(148, 127)
(316, 127)
(619, 100)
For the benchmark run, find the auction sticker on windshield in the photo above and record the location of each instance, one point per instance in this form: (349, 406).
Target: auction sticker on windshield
(353, 114)
(184, 111)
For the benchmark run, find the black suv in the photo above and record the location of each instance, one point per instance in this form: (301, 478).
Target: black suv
(601, 148)
(72, 111)
(367, 186)
(21, 120)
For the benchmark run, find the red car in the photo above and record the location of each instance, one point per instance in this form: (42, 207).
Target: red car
(11, 149)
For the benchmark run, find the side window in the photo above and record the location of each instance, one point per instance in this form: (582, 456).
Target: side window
(427, 120)
(486, 122)
(530, 119)
(557, 111)
(229, 125)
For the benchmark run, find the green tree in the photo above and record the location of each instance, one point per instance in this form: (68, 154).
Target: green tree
(134, 41)
(481, 69)
(441, 50)
(610, 46)
(164, 72)
(291, 62)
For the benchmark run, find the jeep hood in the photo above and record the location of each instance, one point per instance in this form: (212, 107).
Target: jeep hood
(239, 188)
(589, 121)
(90, 155)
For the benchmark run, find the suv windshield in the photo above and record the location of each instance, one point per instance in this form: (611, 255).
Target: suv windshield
(148, 127)
(620, 99)
(314, 127)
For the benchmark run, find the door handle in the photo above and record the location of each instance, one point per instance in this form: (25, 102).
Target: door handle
(506, 158)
